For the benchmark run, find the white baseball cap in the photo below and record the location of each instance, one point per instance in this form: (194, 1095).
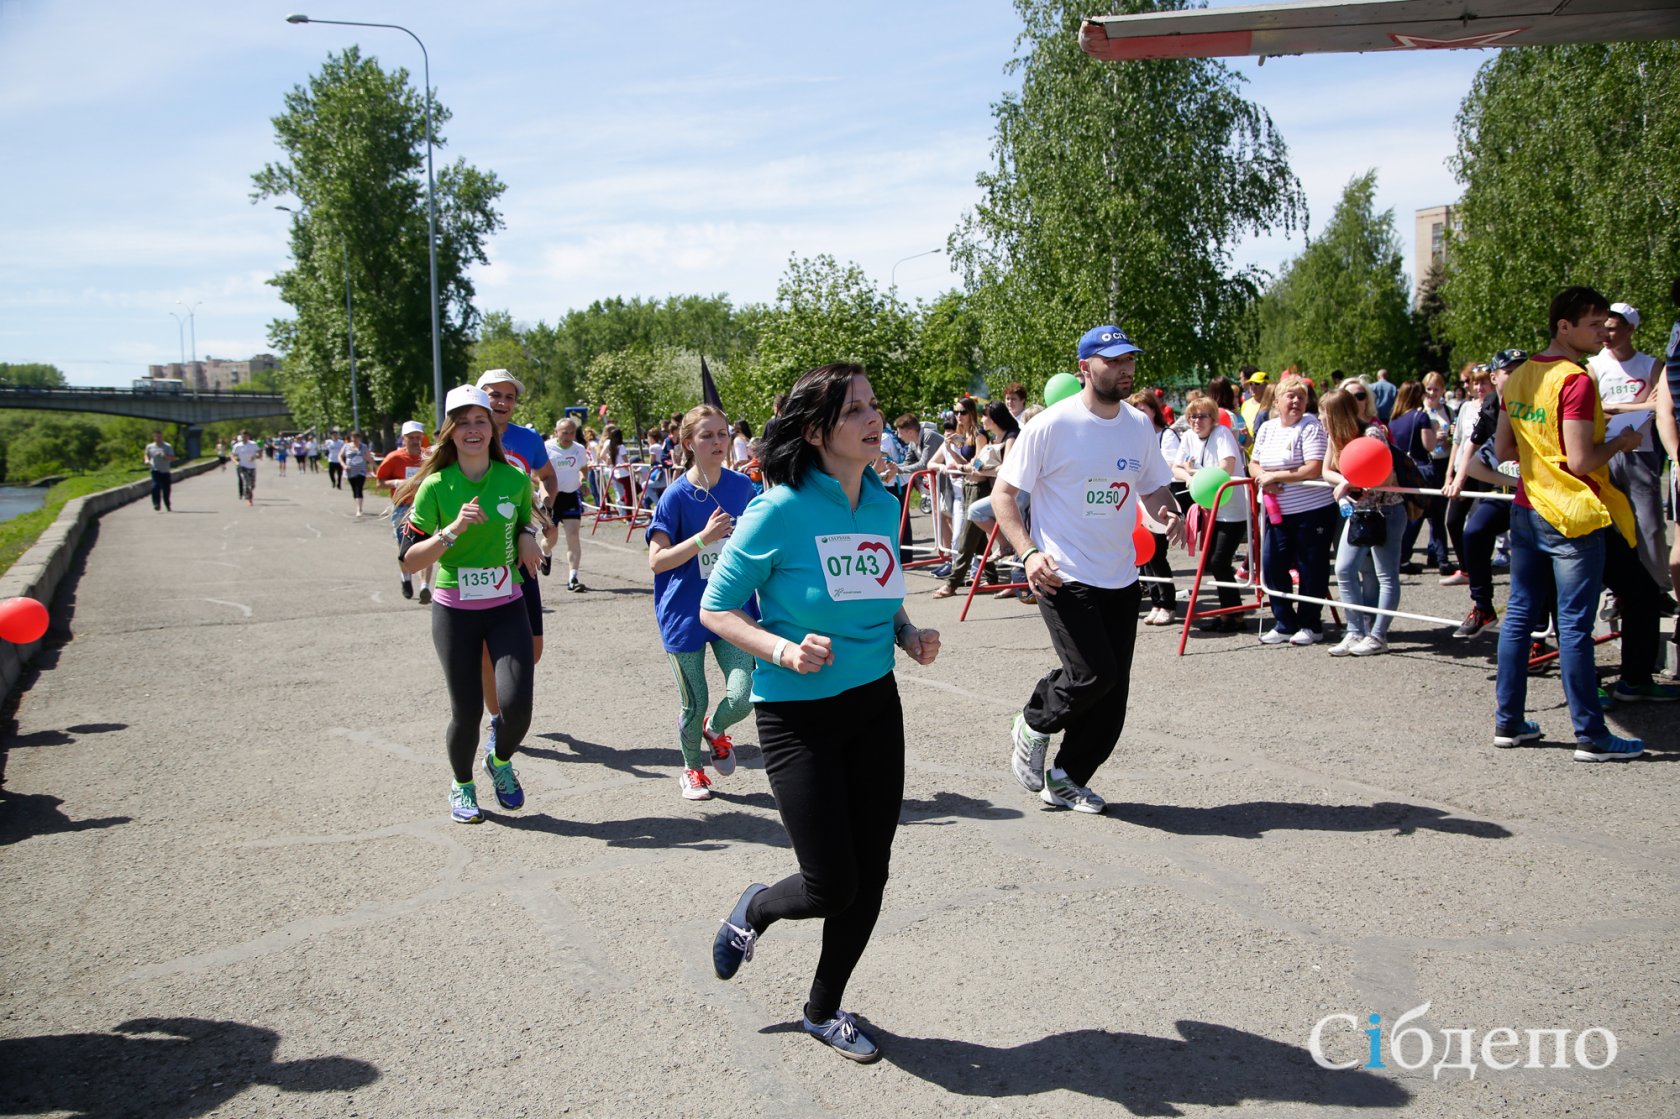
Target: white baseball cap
(500, 376)
(1627, 312)
(462, 395)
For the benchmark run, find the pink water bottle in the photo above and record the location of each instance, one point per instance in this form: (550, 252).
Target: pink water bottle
(1274, 511)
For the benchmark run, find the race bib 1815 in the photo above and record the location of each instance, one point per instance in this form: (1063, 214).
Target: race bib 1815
(859, 565)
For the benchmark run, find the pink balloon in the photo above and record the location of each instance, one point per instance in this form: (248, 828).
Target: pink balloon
(22, 620)
(1365, 462)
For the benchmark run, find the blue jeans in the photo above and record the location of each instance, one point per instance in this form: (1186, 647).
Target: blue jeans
(1301, 541)
(1576, 566)
(1359, 585)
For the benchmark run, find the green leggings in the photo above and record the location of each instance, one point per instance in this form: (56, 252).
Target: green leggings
(690, 672)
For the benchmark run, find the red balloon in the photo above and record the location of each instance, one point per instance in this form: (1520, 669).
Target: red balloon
(1365, 462)
(1143, 541)
(22, 620)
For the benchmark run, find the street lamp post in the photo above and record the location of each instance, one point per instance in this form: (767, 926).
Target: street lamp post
(349, 330)
(892, 281)
(192, 326)
(431, 193)
(181, 338)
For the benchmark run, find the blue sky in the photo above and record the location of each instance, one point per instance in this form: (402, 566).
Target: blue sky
(647, 150)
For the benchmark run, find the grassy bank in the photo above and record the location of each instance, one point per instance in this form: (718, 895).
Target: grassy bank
(17, 534)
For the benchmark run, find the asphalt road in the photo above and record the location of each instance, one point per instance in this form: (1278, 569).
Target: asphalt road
(232, 887)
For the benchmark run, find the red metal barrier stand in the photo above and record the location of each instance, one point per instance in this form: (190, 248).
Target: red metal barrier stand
(938, 556)
(977, 586)
(1259, 602)
(635, 515)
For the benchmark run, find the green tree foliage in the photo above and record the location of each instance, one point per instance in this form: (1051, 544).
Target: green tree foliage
(1118, 194)
(1570, 160)
(1342, 304)
(946, 357)
(827, 312)
(1435, 349)
(31, 375)
(642, 386)
(52, 444)
(354, 143)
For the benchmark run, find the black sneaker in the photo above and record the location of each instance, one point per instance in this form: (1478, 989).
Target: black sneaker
(547, 563)
(408, 589)
(572, 584)
(1475, 621)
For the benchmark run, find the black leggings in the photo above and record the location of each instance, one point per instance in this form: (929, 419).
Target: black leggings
(461, 637)
(357, 481)
(836, 766)
(335, 474)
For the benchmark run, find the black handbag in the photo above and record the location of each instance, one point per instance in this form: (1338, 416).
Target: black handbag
(1367, 528)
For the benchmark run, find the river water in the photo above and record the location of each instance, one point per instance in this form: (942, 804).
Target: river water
(17, 500)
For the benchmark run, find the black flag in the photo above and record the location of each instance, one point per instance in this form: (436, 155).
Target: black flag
(708, 387)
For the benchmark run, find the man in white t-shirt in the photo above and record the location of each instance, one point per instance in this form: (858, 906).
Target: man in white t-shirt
(160, 456)
(335, 469)
(1627, 380)
(570, 459)
(246, 452)
(1088, 462)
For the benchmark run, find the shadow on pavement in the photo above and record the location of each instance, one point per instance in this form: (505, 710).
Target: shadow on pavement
(942, 805)
(1252, 819)
(713, 831)
(1211, 1066)
(162, 1068)
(26, 815)
(665, 759)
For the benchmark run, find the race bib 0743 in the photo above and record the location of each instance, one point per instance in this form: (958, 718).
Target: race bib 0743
(860, 565)
(475, 584)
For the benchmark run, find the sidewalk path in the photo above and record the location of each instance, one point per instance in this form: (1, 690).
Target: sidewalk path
(231, 886)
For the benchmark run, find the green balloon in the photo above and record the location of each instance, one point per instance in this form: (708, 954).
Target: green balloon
(1204, 486)
(1060, 387)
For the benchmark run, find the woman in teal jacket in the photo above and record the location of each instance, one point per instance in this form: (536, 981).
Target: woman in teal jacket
(820, 550)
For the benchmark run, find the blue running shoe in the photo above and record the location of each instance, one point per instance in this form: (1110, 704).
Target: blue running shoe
(509, 793)
(1608, 748)
(1653, 692)
(841, 1034)
(1528, 732)
(463, 804)
(733, 945)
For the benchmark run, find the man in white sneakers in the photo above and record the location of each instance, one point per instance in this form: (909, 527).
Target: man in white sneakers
(1088, 462)
(246, 452)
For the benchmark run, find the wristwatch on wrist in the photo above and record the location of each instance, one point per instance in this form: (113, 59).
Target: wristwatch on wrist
(447, 537)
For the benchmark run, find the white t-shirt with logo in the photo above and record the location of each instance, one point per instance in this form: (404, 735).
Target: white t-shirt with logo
(1196, 453)
(1085, 475)
(1626, 382)
(247, 454)
(569, 464)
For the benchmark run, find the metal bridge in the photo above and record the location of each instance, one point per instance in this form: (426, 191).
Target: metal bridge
(189, 409)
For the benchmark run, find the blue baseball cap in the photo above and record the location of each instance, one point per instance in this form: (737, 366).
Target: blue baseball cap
(1106, 341)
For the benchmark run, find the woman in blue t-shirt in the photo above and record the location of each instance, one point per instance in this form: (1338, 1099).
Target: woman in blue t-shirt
(820, 550)
(687, 535)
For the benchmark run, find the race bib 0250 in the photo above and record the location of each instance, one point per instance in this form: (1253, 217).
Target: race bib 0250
(475, 584)
(1103, 496)
(860, 565)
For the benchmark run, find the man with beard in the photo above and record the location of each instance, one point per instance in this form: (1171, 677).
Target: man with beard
(1088, 462)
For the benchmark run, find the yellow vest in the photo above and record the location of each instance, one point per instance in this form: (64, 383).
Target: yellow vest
(1533, 397)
